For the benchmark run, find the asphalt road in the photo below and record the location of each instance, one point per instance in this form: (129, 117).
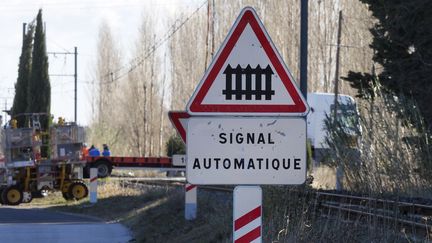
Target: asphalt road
(38, 225)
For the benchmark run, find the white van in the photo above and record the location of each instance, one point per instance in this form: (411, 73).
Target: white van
(321, 107)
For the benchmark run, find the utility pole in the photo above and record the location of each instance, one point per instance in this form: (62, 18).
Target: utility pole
(76, 82)
(303, 46)
(75, 75)
(336, 86)
(207, 35)
(339, 169)
(212, 28)
(24, 31)
(5, 111)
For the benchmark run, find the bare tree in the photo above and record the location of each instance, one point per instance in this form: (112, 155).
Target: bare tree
(106, 128)
(145, 86)
(107, 67)
(187, 58)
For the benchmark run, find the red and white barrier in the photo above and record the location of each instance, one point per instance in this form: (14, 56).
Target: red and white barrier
(190, 201)
(93, 184)
(247, 225)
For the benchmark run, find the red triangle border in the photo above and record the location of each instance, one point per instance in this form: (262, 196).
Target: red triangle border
(175, 117)
(248, 17)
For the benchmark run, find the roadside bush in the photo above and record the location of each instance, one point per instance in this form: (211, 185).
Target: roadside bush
(175, 145)
(394, 152)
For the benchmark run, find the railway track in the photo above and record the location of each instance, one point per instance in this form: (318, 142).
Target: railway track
(408, 217)
(176, 182)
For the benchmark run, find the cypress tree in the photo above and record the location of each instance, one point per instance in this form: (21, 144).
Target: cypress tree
(39, 88)
(24, 69)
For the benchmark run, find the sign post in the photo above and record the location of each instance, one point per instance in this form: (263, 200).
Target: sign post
(179, 120)
(190, 201)
(247, 123)
(247, 211)
(93, 185)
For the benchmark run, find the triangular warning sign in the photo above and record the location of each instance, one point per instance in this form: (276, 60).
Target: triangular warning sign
(179, 121)
(247, 76)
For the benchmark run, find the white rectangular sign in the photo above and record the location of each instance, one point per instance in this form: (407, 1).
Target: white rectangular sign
(179, 159)
(246, 151)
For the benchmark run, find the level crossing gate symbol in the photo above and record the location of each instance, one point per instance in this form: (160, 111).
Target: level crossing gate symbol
(248, 73)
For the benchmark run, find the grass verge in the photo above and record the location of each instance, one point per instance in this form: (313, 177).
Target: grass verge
(154, 214)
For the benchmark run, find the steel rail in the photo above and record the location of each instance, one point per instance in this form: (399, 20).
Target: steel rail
(420, 226)
(422, 209)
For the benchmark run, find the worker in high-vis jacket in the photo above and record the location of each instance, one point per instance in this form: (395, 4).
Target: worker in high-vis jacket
(84, 150)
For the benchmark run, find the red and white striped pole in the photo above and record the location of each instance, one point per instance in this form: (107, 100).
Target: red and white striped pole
(190, 201)
(93, 185)
(247, 222)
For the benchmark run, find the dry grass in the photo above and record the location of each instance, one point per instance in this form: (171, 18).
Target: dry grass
(165, 222)
(291, 214)
(324, 177)
(394, 153)
(138, 173)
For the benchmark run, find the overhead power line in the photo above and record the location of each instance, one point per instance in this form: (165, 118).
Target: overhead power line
(139, 61)
(60, 46)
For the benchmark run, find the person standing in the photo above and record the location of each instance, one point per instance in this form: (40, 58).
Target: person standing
(94, 151)
(106, 151)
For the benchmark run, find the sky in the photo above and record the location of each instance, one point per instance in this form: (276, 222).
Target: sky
(69, 24)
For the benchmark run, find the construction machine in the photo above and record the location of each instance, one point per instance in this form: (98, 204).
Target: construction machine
(39, 159)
